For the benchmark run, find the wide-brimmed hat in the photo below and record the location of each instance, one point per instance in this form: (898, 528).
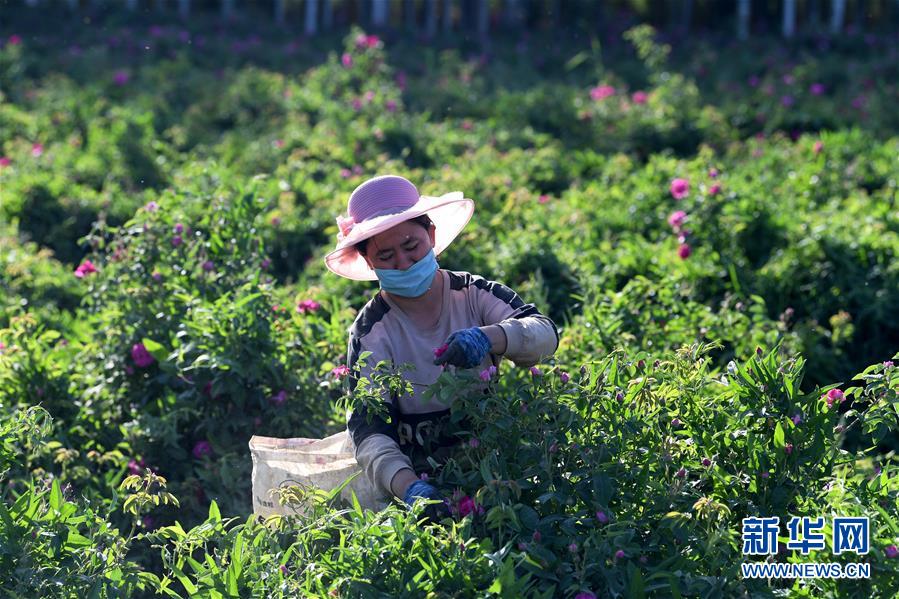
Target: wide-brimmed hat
(383, 202)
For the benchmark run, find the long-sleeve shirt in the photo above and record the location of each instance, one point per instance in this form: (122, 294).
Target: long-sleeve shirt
(414, 429)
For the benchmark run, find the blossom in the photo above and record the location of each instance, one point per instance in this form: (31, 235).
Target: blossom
(564, 377)
(423, 476)
(466, 506)
(346, 60)
(151, 206)
(684, 251)
(345, 224)
(835, 396)
(640, 97)
(14, 40)
(797, 419)
(37, 149)
(345, 173)
(764, 474)
(474, 443)
(121, 77)
(85, 268)
(676, 423)
(891, 551)
(485, 374)
(340, 371)
(681, 473)
(706, 462)
(572, 547)
(157, 276)
(677, 218)
(136, 466)
(275, 221)
(308, 305)
(619, 554)
(818, 147)
(544, 198)
(754, 81)
(713, 173)
(888, 365)
(283, 569)
(585, 595)
(142, 358)
(367, 41)
(279, 398)
(176, 240)
(536, 536)
(201, 449)
(178, 228)
(208, 265)
(602, 517)
(788, 448)
(601, 92)
(816, 89)
(535, 371)
(390, 105)
(467, 125)
(679, 188)
(5, 161)
(715, 189)
(265, 263)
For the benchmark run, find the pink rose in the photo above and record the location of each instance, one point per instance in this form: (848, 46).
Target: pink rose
(677, 219)
(835, 396)
(640, 97)
(340, 371)
(466, 506)
(600, 92)
(679, 188)
(85, 268)
(308, 305)
(715, 189)
(37, 150)
(684, 251)
(346, 60)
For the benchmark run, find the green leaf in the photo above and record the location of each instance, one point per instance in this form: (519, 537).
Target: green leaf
(56, 498)
(779, 442)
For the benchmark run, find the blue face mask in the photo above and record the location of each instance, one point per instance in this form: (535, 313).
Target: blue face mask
(413, 281)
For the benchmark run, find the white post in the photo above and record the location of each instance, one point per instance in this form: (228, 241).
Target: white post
(430, 18)
(837, 14)
(743, 13)
(279, 10)
(447, 16)
(311, 17)
(327, 14)
(184, 9)
(379, 12)
(789, 18)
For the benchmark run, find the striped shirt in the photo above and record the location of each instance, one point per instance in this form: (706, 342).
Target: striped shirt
(414, 430)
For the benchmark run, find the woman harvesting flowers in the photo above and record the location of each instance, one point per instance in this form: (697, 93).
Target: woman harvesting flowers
(424, 316)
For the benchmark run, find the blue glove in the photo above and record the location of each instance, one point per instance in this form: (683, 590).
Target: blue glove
(421, 489)
(466, 348)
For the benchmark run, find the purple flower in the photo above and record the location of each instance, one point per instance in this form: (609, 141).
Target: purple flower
(891, 551)
(565, 377)
(797, 419)
(787, 100)
(816, 89)
(201, 449)
(675, 423)
(308, 305)
(764, 474)
(208, 265)
(279, 398)
(473, 442)
(585, 595)
(136, 466)
(677, 219)
(346, 60)
(121, 77)
(390, 105)
(340, 371)
(681, 473)
(619, 554)
(706, 462)
(142, 358)
(466, 506)
(788, 448)
(602, 517)
(176, 240)
(572, 547)
(178, 228)
(684, 250)
(283, 569)
(157, 276)
(535, 371)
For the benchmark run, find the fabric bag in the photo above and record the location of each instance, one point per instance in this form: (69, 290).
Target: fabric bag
(321, 463)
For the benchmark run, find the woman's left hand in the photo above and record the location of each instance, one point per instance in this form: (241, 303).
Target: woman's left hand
(465, 348)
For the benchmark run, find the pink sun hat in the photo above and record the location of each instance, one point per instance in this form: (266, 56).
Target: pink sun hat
(383, 202)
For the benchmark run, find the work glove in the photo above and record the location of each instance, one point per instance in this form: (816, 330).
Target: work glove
(433, 511)
(465, 348)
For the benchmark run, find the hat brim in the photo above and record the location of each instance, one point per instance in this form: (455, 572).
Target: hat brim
(450, 213)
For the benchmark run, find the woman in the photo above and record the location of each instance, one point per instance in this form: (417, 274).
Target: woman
(393, 235)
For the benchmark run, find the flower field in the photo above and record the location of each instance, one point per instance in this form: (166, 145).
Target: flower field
(713, 227)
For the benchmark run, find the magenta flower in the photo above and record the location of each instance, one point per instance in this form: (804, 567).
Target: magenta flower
(367, 41)
(357, 104)
(675, 423)
(764, 474)
(142, 358)
(121, 77)
(677, 219)
(715, 189)
(619, 554)
(157, 276)
(390, 105)
(536, 536)
(788, 448)
(467, 125)
(308, 305)
(684, 251)
(466, 506)
(151, 206)
(754, 81)
(176, 240)
(816, 89)
(713, 173)
(789, 79)
(706, 462)
(279, 398)
(835, 396)
(535, 371)
(818, 147)
(787, 100)
(14, 40)
(340, 371)
(600, 92)
(891, 551)
(679, 188)
(201, 449)
(564, 377)
(485, 374)
(474, 443)
(640, 97)
(585, 595)
(136, 466)
(602, 517)
(178, 228)
(681, 473)
(283, 569)
(888, 365)
(572, 547)
(208, 265)
(439, 351)
(37, 149)
(346, 60)
(265, 263)
(544, 198)
(369, 96)
(797, 419)
(5, 161)
(345, 173)
(85, 268)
